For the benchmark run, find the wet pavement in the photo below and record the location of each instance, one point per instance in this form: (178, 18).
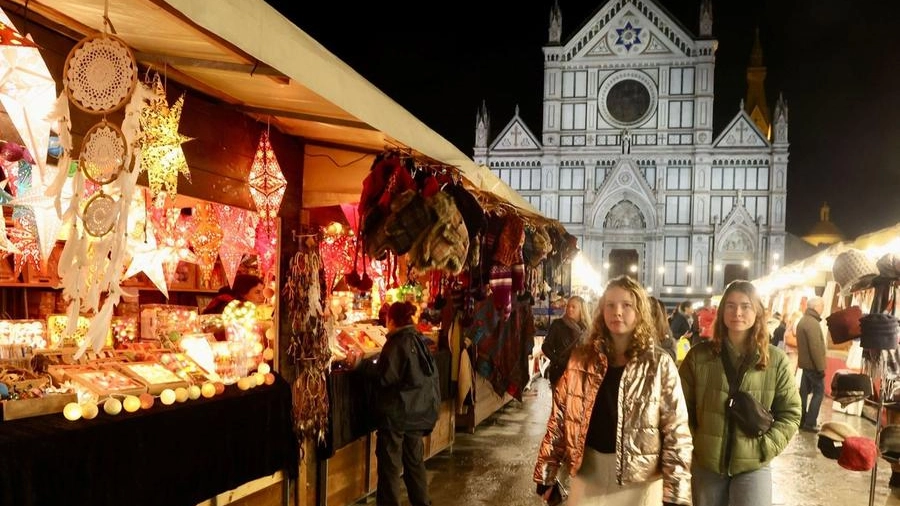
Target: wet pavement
(493, 466)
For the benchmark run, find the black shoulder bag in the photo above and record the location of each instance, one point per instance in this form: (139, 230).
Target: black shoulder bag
(748, 414)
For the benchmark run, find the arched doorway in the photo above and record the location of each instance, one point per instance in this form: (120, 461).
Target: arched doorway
(735, 271)
(624, 261)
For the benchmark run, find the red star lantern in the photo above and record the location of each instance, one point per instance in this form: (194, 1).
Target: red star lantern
(267, 183)
(10, 37)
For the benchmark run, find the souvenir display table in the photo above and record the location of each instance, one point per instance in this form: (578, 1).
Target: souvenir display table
(181, 454)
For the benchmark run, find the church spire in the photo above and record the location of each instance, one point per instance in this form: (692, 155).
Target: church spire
(756, 105)
(706, 18)
(482, 126)
(781, 120)
(555, 31)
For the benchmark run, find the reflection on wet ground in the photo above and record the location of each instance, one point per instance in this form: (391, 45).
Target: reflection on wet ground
(493, 466)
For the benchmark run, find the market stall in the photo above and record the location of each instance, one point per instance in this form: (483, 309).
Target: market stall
(243, 108)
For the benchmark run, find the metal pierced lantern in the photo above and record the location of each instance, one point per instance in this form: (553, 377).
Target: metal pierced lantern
(267, 183)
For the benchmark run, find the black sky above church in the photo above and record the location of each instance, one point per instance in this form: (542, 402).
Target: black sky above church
(836, 62)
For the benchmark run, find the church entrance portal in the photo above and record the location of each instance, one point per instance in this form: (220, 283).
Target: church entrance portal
(623, 261)
(735, 271)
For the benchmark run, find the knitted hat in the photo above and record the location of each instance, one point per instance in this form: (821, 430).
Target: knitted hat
(853, 270)
(880, 331)
(501, 287)
(844, 324)
(889, 443)
(889, 266)
(858, 454)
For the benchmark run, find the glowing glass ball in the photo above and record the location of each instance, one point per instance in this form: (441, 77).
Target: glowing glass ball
(194, 392)
(181, 394)
(208, 390)
(112, 406)
(264, 368)
(89, 411)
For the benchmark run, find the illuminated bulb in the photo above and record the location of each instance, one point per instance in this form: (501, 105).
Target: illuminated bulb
(194, 392)
(260, 378)
(220, 388)
(270, 378)
(268, 354)
(633, 268)
(181, 394)
(264, 368)
(72, 411)
(244, 383)
(746, 263)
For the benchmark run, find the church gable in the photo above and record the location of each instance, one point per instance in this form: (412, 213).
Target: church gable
(741, 133)
(630, 28)
(737, 232)
(515, 136)
(624, 200)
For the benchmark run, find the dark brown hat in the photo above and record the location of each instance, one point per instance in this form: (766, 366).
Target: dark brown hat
(848, 387)
(844, 324)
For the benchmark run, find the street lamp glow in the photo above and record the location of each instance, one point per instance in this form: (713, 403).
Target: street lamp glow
(746, 263)
(649, 289)
(689, 269)
(633, 268)
(776, 256)
(661, 270)
(717, 267)
(668, 289)
(708, 289)
(606, 265)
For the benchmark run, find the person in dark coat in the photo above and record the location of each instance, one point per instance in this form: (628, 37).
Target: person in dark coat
(405, 410)
(246, 288)
(681, 320)
(658, 313)
(563, 335)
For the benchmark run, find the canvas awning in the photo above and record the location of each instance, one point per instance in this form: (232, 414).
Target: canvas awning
(248, 55)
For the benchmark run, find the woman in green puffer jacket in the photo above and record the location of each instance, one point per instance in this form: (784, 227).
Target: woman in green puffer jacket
(729, 467)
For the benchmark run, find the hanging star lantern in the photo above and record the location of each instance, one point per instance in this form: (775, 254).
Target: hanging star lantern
(267, 183)
(5, 243)
(206, 240)
(24, 237)
(172, 232)
(32, 194)
(146, 257)
(162, 156)
(238, 236)
(265, 247)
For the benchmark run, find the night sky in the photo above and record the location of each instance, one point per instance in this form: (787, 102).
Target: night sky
(836, 62)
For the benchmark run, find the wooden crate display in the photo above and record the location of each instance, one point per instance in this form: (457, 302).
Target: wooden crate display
(24, 408)
(155, 376)
(105, 382)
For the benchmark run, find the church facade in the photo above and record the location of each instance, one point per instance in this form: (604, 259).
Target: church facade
(628, 161)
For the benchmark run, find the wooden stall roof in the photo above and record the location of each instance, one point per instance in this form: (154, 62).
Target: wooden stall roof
(246, 54)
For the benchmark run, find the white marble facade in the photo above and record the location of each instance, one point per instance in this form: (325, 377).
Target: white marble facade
(628, 161)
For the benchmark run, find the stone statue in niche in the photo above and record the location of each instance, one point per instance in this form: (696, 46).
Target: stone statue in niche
(624, 215)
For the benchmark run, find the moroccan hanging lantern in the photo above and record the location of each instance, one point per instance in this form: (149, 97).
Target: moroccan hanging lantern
(267, 183)
(206, 240)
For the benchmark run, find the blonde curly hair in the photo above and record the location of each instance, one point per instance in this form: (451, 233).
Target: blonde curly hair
(644, 336)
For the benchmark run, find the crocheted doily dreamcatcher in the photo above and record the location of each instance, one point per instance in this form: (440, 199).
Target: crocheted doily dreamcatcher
(100, 74)
(100, 214)
(103, 153)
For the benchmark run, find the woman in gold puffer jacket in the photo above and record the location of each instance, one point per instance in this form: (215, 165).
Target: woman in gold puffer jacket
(619, 420)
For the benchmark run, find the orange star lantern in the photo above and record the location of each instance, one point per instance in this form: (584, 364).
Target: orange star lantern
(206, 240)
